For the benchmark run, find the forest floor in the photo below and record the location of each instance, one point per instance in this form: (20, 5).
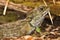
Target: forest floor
(48, 31)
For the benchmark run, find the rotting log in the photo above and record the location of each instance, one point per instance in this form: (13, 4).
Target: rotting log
(14, 6)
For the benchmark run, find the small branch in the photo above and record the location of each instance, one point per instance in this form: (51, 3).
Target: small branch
(50, 17)
(4, 12)
(54, 2)
(45, 3)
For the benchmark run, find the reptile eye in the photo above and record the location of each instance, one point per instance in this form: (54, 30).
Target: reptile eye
(41, 8)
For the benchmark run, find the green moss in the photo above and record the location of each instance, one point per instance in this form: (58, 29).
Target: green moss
(17, 1)
(32, 4)
(27, 3)
(8, 18)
